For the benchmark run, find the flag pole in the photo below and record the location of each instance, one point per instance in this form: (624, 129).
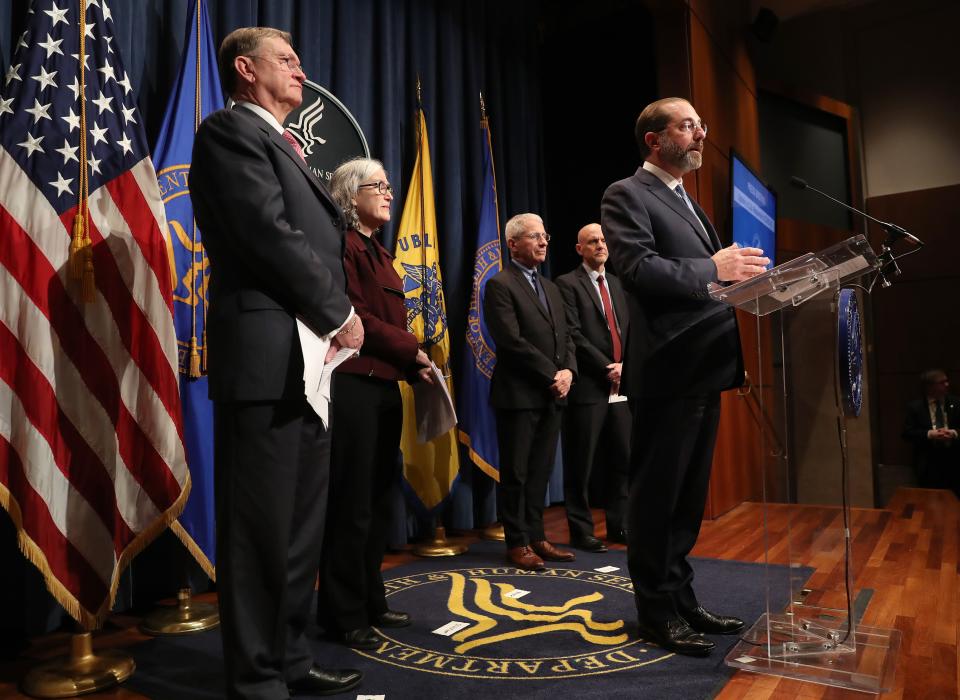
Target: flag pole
(493, 531)
(439, 545)
(188, 616)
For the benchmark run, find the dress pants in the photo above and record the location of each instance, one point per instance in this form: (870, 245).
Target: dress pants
(671, 454)
(367, 422)
(527, 440)
(590, 430)
(271, 467)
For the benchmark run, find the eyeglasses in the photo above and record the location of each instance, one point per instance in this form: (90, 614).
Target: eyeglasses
(545, 237)
(285, 62)
(688, 126)
(382, 187)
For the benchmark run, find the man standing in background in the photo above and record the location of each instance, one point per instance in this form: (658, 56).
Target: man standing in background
(536, 365)
(597, 414)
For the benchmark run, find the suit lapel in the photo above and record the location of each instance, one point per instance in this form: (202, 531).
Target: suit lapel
(521, 280)
(591, 292)
(665, 195)
(282, 144)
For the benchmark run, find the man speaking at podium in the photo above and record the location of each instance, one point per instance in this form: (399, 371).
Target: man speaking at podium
(684, 349)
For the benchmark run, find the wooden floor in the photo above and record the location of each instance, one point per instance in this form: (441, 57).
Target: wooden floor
(907, 554)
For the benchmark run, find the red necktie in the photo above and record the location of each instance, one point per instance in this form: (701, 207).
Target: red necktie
(611, 320)
(289, 138)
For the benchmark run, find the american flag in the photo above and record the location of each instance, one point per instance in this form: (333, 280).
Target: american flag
(92, 463)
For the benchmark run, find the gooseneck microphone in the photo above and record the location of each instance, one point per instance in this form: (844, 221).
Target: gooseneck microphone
(893, 231)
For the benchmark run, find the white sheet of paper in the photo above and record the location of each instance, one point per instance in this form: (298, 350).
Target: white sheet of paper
(434, 407)
(451, 628)
(516, 593)
(616, 398)
(607, 569)
(317, 376)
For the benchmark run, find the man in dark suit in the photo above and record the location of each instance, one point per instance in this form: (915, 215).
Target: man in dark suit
(931, 425)
(536, 364)
(597, 413)
(684, 349)
(275, 242)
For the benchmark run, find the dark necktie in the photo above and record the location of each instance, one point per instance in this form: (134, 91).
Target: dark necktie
(939, 422)
(539, 289)
(611, 320)
(289, 138)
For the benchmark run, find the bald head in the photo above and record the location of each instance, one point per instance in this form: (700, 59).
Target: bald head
(592, 247)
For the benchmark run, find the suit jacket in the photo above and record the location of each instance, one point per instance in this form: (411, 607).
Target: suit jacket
(591, 336)
(374, 287)
(917, 421)
(533, 343)
(274, 238)
(685, 343)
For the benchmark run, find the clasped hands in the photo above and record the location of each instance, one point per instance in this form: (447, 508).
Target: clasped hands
(942, 434)
(735, 264)
(561, 383)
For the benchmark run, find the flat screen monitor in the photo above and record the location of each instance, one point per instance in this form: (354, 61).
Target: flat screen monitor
(753, 209)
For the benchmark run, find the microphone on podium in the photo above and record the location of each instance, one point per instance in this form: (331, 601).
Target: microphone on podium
(894, 232)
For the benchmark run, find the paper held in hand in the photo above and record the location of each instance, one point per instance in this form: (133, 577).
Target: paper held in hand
(434, 407)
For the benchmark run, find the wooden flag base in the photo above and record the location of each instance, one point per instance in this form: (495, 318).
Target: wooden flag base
(80, 673)
(439, 546)
(187, 617)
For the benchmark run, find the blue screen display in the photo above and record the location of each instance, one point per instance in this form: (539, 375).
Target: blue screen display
(754, 211)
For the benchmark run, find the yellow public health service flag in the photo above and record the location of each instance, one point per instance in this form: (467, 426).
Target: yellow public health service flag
(429, 468)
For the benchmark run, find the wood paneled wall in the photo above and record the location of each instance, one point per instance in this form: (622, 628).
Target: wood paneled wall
(702, 57)
(915, 321)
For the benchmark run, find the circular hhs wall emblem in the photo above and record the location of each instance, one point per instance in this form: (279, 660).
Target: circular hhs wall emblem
(326, 131)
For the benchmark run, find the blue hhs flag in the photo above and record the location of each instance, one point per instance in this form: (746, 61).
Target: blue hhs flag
(196, 94)
(478, 429)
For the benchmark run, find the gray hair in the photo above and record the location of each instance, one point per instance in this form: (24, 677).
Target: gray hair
(243, 42)
(346, 182)
(517, 225)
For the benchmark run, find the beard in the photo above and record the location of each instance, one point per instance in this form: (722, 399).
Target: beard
(673, 153)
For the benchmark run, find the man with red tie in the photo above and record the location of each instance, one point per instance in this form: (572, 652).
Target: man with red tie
(597, 413)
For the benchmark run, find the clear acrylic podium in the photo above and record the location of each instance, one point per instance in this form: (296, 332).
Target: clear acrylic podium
(817, 636)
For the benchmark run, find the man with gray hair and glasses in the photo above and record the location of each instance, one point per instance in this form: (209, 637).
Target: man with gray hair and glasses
(275, 241)
(536, 365)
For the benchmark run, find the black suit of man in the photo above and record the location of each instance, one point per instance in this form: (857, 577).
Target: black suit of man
(936, 462)
(533, 344)
(275, 242)
(684, 349)
(590, 419)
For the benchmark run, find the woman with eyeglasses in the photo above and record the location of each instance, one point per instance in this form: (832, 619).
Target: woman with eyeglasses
(367, 418)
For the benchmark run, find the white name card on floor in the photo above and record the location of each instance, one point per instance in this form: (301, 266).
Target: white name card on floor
(451, 628)
(607, 569)
(371, 697)
(516, 593)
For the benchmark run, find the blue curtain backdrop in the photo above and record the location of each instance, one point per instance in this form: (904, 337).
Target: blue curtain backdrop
(369, 53)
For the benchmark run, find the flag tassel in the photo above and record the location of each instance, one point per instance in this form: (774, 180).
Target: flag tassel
(194, 358)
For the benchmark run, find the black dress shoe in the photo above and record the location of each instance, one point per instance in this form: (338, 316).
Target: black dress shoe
(393, 618)
(675, 635)
(360, 638)
(319, 681)
(588, 543)
(704, 621)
